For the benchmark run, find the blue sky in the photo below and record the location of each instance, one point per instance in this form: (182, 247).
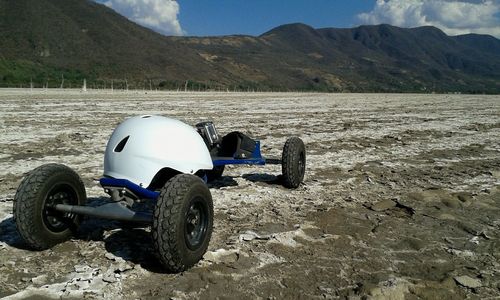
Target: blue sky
(254, 17)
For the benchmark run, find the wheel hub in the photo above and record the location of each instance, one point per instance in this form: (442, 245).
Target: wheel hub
(58, 221)
(302, 164)
(196, 224)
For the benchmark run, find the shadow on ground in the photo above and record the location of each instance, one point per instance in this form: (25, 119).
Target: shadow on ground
(128, 240)
(10, 235)
(264, 178)
(224, 181)
(134, 245)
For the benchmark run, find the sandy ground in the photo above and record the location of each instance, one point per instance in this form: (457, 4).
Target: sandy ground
(401, 198)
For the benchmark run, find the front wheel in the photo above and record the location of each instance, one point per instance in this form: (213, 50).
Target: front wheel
(293, 162)
(38, 223)
(182, 222)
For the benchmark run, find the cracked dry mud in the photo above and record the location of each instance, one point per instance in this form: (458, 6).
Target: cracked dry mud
(401, 198)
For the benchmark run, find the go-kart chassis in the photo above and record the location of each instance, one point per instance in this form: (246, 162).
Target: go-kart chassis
(118, 188)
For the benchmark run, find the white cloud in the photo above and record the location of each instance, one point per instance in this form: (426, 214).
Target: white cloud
(159, 15)
(453, 17)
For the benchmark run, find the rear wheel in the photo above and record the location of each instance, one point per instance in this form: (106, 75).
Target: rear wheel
(38, 223)
(182, 223)
(293, 162)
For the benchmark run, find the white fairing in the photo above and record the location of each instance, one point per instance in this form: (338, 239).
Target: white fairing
(154, 143)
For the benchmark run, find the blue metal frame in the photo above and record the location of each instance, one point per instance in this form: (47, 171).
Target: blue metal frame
(138, 190)
(255, 159)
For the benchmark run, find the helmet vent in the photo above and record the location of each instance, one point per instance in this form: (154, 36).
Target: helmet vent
(146, 116)
(121, 144)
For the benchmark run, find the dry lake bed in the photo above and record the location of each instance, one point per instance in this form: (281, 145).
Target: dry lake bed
(401, 198)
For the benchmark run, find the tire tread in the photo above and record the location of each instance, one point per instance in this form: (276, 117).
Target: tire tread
(25, 202)
(166, 214)
(291, 153)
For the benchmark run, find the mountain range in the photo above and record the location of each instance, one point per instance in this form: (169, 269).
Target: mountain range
(61, 42)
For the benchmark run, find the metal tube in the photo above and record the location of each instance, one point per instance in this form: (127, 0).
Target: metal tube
(113, 211)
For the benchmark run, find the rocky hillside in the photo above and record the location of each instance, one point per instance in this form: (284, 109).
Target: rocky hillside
(45, 40)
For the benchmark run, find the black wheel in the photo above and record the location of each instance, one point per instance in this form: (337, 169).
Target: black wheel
(293, 162)
(182, 222)
(38, 223)
(215, 173)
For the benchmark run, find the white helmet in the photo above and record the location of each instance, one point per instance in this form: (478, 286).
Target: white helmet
(142, 146)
